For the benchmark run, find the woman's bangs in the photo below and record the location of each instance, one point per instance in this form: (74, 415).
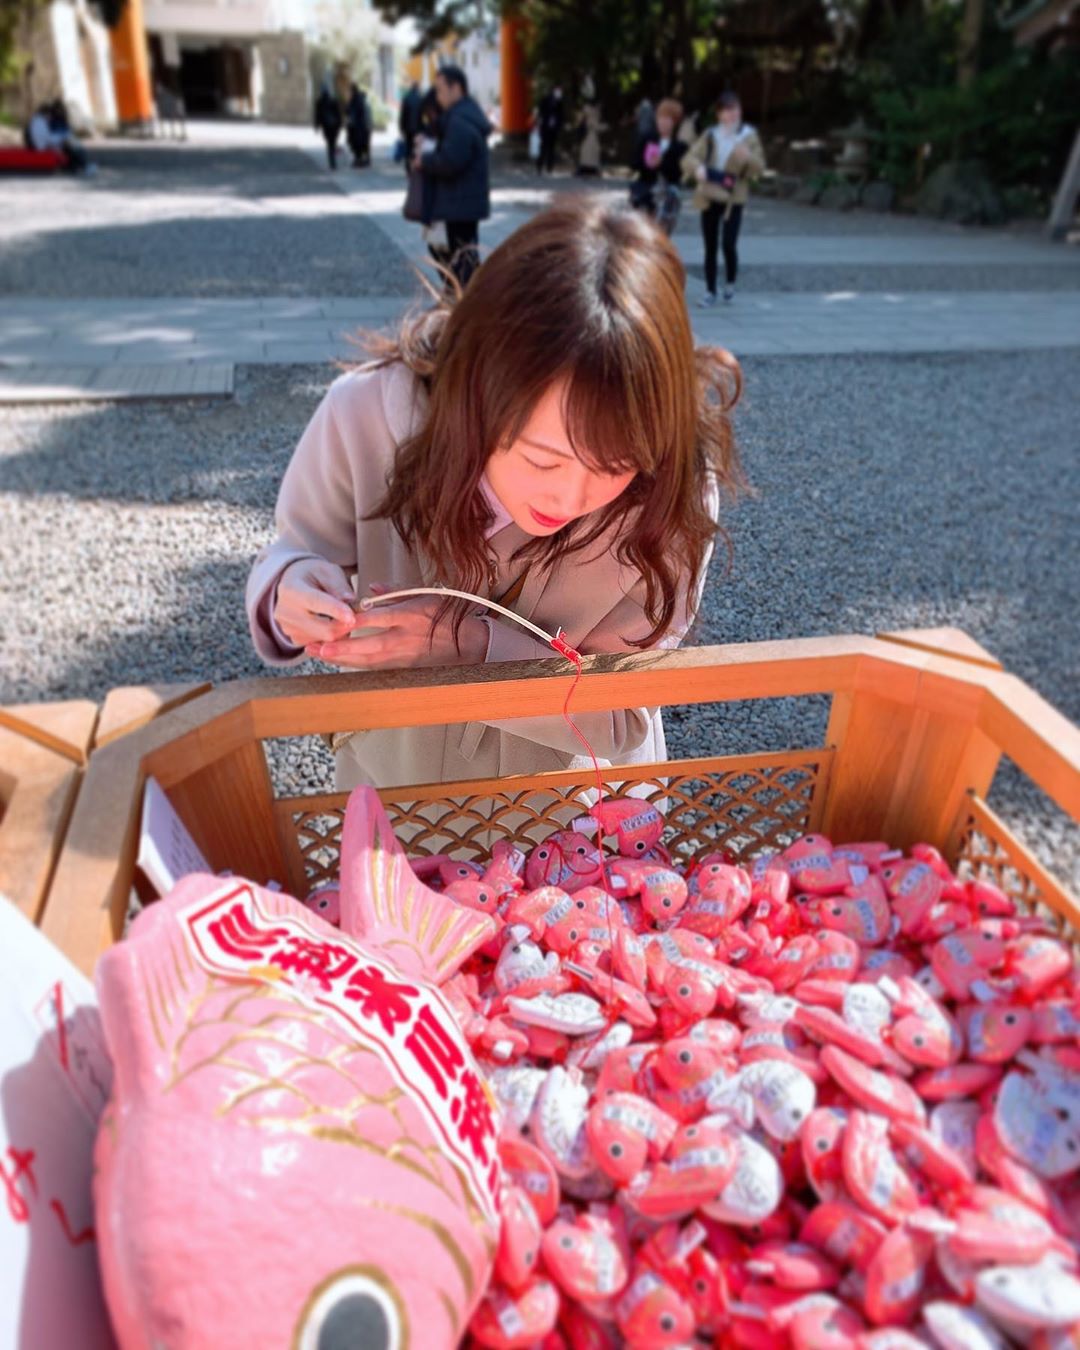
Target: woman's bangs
(606, 429)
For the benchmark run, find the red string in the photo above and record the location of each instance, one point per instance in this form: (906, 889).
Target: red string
(574, 657)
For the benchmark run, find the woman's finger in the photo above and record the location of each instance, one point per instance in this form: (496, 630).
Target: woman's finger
(360, 652)
(310, 629)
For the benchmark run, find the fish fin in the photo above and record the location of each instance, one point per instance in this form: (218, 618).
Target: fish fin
(385, 903)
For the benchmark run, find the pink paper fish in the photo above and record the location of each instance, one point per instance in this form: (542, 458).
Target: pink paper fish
(299, 1149)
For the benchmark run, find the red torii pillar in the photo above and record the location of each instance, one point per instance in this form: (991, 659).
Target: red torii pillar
(515, 91)
(131, 67)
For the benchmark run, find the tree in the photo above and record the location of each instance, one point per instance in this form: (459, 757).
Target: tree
(346, 41)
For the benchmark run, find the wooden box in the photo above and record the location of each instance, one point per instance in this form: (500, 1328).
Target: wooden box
(43, 752)
(918, 724)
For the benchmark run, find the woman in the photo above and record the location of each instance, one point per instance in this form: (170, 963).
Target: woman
(589, 127)
(550, 437)
(725, 160)
(658, 168)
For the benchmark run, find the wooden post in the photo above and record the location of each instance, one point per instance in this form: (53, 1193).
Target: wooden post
(42, 750)
(131, 67)
(515, 94)
(1063, 211)
(908, 749)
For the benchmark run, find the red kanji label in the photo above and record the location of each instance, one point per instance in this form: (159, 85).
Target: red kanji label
(435, 1051)
(472, 1114)
(235, 934)
(324, 962)
(22, 1164)
(76, 1239)
(381, 998)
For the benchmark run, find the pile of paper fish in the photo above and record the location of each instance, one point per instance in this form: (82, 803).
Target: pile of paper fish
(830, 1099)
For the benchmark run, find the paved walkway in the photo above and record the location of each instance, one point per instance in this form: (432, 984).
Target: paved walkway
(116, 347)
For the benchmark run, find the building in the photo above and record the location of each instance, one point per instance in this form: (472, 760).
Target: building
(232, 57)
(67, 56)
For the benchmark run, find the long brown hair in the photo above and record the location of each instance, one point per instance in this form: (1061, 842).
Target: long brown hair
(593, 295)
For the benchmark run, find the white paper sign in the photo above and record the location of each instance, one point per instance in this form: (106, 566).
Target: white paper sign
(167, 851)
(54, 1081)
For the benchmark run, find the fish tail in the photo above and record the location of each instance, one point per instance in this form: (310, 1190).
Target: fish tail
(383, 901)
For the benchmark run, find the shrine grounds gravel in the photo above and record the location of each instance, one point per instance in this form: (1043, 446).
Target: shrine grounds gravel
(891, 492)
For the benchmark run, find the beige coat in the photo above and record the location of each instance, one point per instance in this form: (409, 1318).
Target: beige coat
(336, 476)
(747, 163)
(589, 152)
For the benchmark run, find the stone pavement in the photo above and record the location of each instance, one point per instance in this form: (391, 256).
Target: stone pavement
(834, 283)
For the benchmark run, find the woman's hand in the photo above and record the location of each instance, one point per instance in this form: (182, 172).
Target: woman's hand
(701, 173)
(314, 602)
(400, 636)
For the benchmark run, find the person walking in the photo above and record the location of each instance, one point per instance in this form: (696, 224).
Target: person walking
(456, 171)
(409, 120)
(358, 127)
(549, 434)
(725, 160)
(328, 120)
(658, 168)
(550, 116)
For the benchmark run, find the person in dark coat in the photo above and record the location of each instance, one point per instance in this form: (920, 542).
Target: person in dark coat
(550, 117)
(410, 120)
(328, 120)
(358, 127)
(658, 167)
(456, 171)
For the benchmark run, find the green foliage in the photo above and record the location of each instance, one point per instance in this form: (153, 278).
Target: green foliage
(1016, 117)
(15, 17)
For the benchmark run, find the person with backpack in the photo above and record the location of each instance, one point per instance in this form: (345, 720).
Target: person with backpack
(724, 161)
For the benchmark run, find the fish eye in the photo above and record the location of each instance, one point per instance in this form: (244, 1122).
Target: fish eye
(685, 1057)
(1010, 1019)
(691, 1133)
(640, 845)
(1062, 1113)
(822, 1145)
(796, 1114)
(667, 1322)
(543, 853)
(566, 1243)
(684, 991)
(529, 1257)
(355, 1306)
(573, 934)
(616, 1150)
(918, 1040)
(835, 911)
(700, 1286)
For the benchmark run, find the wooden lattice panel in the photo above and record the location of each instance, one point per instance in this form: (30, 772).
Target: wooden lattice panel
(987, 850)
(743, 804)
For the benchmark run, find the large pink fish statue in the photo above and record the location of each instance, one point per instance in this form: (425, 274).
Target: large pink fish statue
(299, 1150)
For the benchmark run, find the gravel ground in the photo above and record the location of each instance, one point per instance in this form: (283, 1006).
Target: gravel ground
(193, 222)
(892, 492)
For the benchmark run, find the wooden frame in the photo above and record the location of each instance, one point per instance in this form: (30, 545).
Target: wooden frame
(43, 751)
(916, 727)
